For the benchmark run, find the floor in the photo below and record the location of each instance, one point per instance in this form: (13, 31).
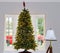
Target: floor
(17, 52)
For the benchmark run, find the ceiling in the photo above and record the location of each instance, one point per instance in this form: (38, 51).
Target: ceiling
(30, 0)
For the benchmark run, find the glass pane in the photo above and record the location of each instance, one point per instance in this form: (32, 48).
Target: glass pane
(8, 32)
(38, 22)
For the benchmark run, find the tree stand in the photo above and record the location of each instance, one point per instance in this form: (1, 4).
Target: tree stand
(25, 51)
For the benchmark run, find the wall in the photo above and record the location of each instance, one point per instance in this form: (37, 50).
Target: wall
(51, 10)
(30, 0)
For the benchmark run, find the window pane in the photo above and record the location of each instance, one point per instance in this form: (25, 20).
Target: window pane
(8, 31)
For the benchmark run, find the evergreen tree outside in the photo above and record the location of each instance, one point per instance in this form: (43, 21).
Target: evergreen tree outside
(24, 36)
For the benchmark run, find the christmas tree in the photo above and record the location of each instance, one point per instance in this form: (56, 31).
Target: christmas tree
(24, 36)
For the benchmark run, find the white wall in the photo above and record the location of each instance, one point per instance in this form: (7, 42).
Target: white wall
(52, 11)
(30, 0)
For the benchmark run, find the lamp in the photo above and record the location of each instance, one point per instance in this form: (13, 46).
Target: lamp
(50, 36)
